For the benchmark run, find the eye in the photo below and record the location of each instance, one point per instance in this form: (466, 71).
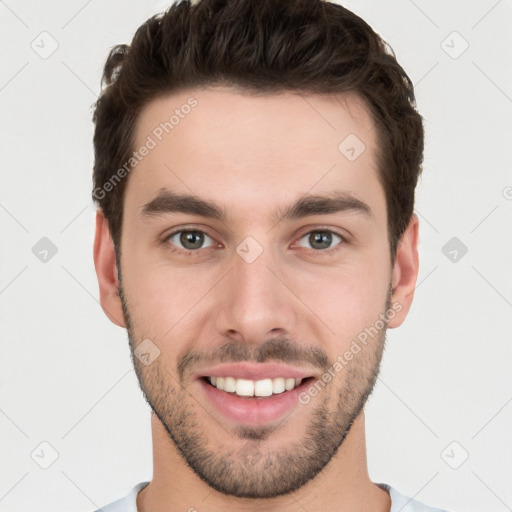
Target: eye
(321, 239)
(190, 240)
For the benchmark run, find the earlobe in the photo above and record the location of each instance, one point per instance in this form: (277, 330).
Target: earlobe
(405, 272)
(106, 271)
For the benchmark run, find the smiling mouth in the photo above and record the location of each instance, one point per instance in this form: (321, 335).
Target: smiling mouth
(256, 389)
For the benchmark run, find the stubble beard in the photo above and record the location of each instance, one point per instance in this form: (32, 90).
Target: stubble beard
(250, 470)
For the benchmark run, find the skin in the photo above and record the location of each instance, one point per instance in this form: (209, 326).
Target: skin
(253, 155)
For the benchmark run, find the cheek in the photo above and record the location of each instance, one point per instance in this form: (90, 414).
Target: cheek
(161, 297)
(347, 300)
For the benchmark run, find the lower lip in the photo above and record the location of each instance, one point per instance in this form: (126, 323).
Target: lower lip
(254, 411)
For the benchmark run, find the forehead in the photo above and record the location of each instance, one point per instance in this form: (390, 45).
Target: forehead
(254, 151)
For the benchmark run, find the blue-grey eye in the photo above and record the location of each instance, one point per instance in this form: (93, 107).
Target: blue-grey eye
(320, 239)
(189, 240)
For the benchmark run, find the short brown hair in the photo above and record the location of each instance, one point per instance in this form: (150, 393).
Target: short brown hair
(260, 46)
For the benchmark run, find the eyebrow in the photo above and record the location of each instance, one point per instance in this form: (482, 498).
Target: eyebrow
(168, 202)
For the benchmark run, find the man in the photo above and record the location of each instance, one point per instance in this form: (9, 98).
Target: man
(255, 169)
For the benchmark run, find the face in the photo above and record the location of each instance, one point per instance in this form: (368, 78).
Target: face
(260, 281)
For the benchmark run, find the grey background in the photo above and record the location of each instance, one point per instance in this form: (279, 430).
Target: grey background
(66, 377)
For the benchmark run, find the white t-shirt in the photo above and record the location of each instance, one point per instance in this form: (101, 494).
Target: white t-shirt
(399, 502)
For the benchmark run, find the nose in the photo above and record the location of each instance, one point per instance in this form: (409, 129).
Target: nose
(255, 300)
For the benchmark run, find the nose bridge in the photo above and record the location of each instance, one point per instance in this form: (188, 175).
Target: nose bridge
(253, 279)
(255, 301)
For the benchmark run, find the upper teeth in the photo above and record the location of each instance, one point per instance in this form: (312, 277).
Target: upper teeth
(245, 387)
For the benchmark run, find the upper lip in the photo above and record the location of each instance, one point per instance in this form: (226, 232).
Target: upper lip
(254, 371)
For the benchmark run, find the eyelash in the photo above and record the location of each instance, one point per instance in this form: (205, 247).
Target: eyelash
(197, 252)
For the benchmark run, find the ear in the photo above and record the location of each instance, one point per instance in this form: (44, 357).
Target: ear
(106, 270)
(405, 272)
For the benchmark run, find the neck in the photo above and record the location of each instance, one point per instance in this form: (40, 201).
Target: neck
(344, 483)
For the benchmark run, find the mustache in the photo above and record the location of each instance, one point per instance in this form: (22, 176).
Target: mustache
(276, 349)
